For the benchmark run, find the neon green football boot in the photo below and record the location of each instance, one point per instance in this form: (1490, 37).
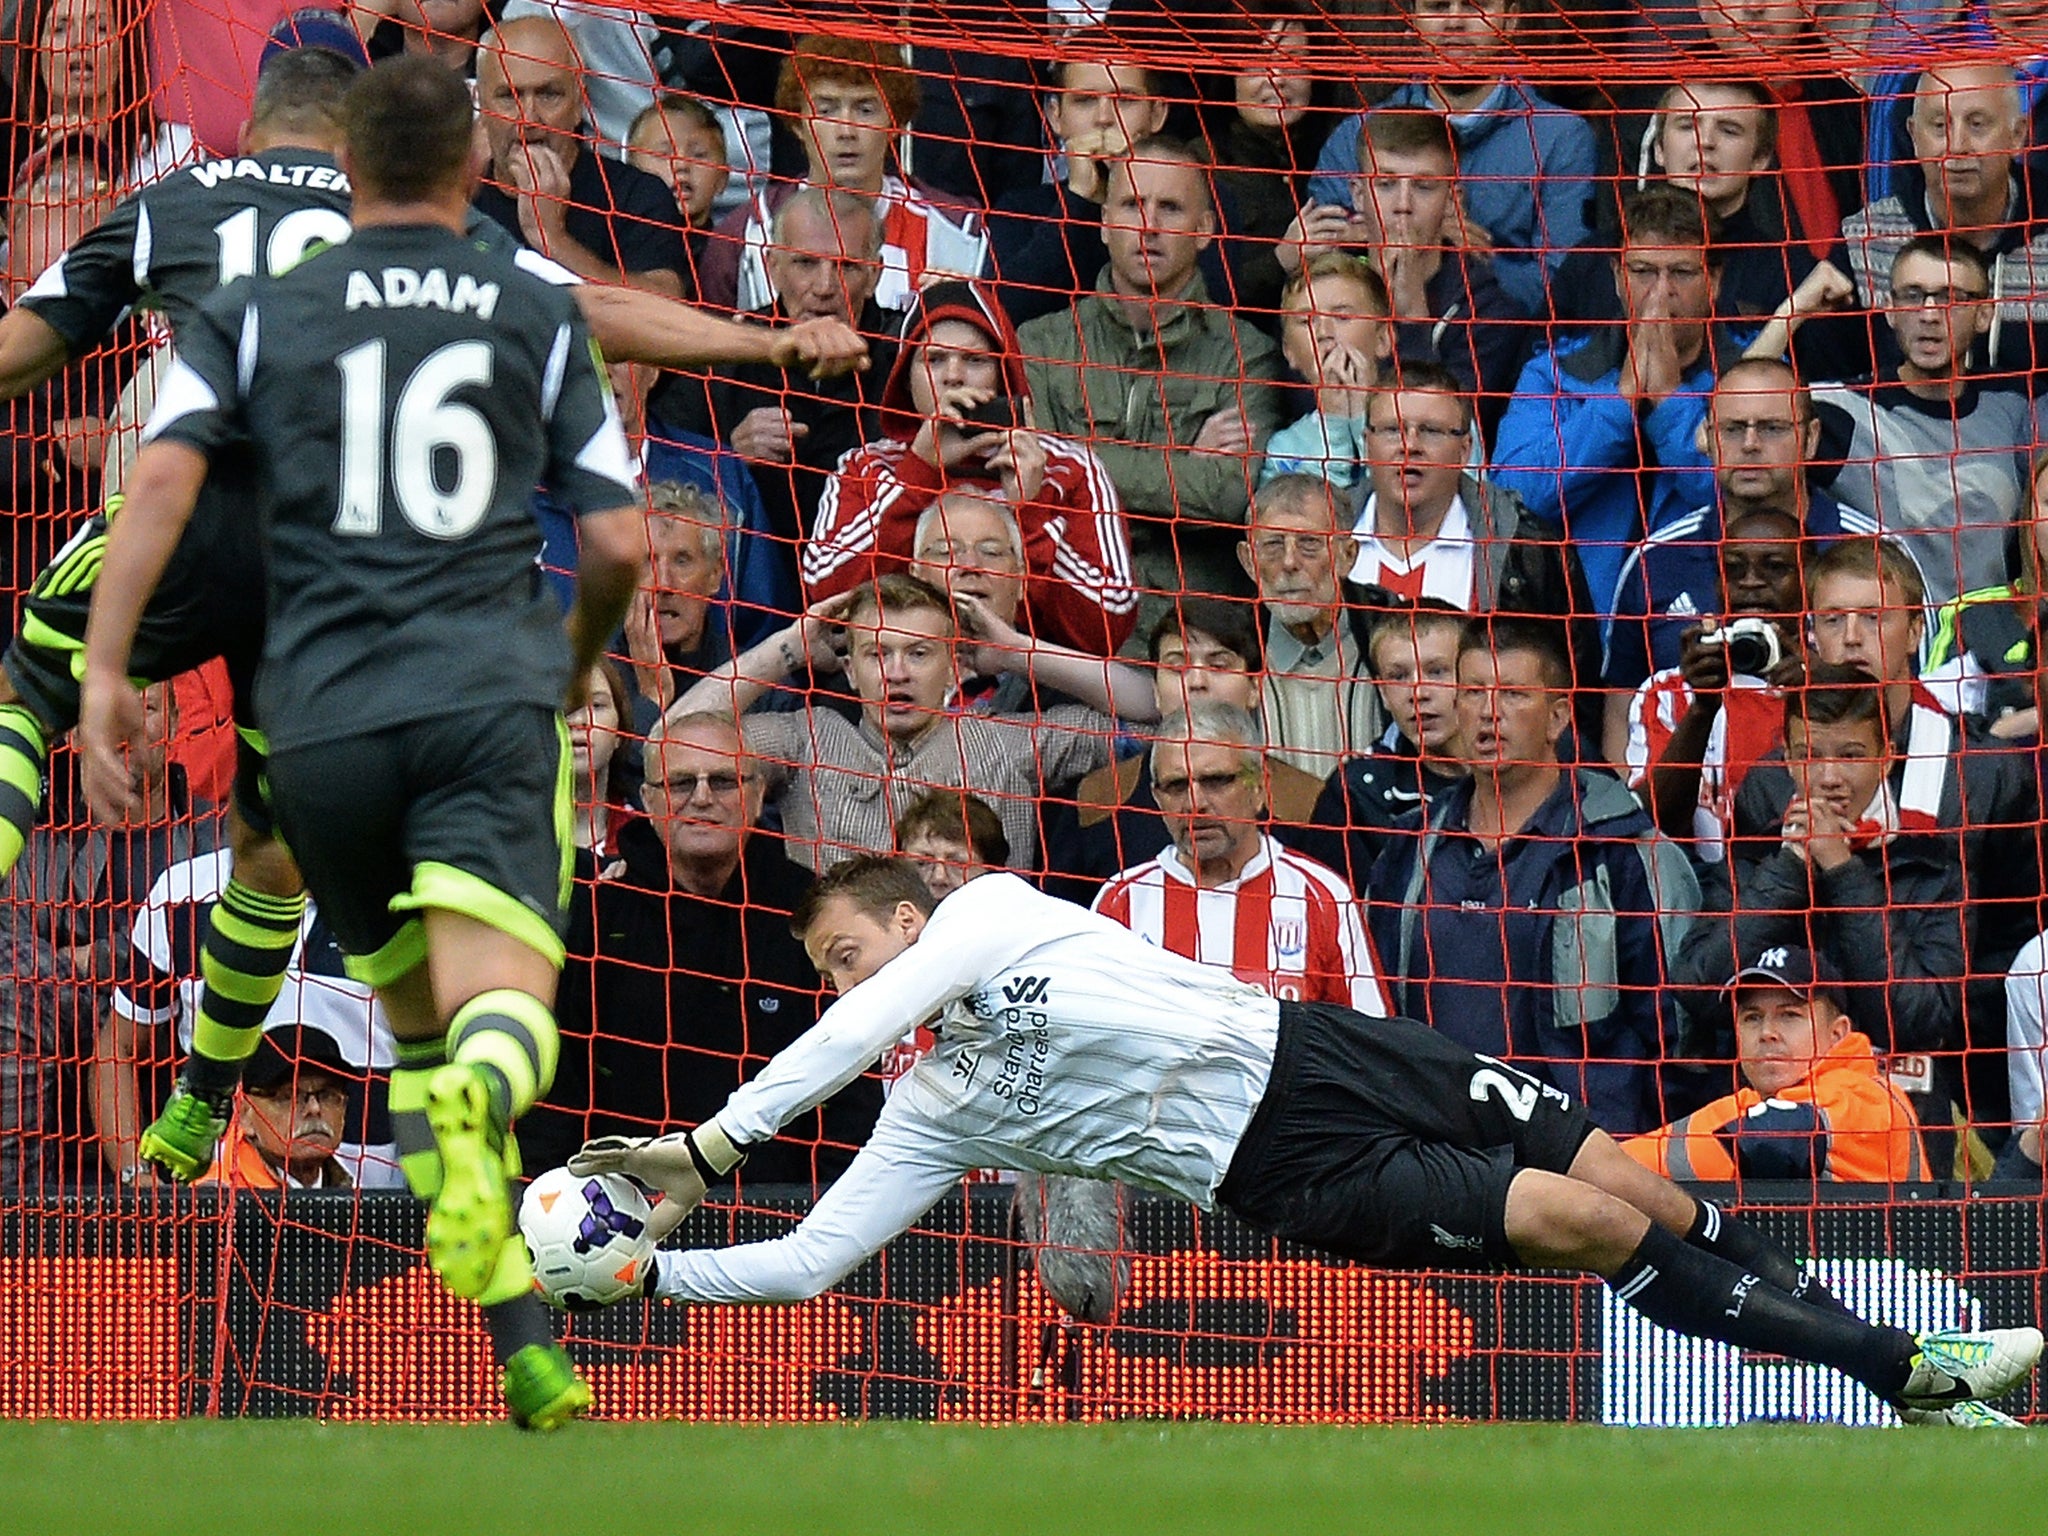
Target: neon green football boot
(542, 1388)
(471, 1215)
(181, 1140)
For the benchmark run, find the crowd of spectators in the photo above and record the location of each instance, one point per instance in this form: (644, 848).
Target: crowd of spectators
(1562, 562)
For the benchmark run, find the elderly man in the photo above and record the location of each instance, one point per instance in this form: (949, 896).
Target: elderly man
(841, 785)
(792, 429)
(682, 974)
(603, 220)
(1224, 892)
(1814, 1102)
(955, 415)
(1319, 701)
(1174, 394)
(674, 633)
(293, 1116)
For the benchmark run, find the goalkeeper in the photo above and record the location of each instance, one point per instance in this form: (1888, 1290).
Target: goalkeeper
(167, 248)
(1067, 1045)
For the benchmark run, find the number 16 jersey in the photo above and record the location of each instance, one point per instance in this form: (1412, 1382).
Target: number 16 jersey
(402, 394)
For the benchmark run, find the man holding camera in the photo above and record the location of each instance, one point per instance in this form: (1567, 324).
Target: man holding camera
(956, 415)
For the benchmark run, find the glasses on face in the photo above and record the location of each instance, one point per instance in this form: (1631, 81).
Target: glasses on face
(323, 1096)
(684, 786)
(987, 552)
(1913, 296)
(1423, 434)
(1735, 429)
(1208, 783)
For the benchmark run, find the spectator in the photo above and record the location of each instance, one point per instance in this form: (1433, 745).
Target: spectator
(1847, 873)
(847, 101)
(683, 977)
(680, 140)
(1965, 183)
(292, 1116)
(1432, 527)
(594, 739)
(675, 633)
(1404, 215)
(1182, 449)
(1761, 434)
(547, 184)
(1225, 893)
(1925, 452)
(613, 43)
(2026, 1002)
(792, 429)
(1814, 1102)
(1264, 150)
(1603, 437)
(2007, 29)
(1203, 650)
(1525, 165)
(1319, 701)
(154, 1009)
(1533, 916)
(81, 66)
(1696, 729)
(840, 786)
(956, 414)
(1718, 140)
(1982, 656)
(1948, 777)
(1046, 237)
(65, 916)
(1335, 335)
(953, 837)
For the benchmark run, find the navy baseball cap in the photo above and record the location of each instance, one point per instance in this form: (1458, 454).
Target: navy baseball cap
(316, 27)
(287, 1048)
(1794, 969)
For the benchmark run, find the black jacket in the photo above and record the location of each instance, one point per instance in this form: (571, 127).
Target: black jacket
(1366, 799)
(670, 1001)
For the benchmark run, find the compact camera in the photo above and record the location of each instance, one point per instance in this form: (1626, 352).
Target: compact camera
(1751, 644)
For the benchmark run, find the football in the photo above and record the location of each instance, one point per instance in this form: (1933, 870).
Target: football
(588, 1237)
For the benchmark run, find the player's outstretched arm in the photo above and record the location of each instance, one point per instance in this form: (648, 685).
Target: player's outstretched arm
(634, 326)
(162, 487)
(31, 350)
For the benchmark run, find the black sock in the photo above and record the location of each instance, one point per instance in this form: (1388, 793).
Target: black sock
(1731, 1238)
(517, 1323)
(1689, 1290)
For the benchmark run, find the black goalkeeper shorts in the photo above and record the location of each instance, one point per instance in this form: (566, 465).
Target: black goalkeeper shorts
(468, 812)
(1381, 1141)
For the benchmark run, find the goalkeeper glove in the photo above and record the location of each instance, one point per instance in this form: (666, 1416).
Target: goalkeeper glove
(682, 1166)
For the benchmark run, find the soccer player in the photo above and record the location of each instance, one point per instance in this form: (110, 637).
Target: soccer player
(399, 397)
(168, 248)
(1065, 1044)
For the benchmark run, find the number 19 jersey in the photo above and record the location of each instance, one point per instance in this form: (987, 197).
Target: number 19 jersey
(403, 394)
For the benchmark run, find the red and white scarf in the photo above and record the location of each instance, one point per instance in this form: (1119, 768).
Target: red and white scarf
(1917, 806)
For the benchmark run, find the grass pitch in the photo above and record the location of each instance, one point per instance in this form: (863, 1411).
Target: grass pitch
(302, 1479)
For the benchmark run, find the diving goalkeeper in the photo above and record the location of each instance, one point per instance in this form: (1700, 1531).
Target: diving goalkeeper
(1067, 1045)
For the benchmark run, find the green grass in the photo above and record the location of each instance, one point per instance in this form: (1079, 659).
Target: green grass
(302, 1479)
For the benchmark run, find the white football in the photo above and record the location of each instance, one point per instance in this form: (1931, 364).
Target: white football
(588, 1237)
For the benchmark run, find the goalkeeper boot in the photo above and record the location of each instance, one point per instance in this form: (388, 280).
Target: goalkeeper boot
(1971, 1415)
(1954, 1366)
(181, 1141)
(542, 1388)
(471, 1215)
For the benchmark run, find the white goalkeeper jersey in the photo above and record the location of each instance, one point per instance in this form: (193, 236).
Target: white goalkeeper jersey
(1064, 1044)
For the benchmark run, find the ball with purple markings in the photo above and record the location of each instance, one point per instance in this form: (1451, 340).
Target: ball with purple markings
(588, 1237)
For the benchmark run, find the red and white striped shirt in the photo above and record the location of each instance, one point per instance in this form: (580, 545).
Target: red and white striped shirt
(1286, 924)
(1748, 729)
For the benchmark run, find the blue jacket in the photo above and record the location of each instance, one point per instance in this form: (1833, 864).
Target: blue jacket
(1673, 579)
(1516, 140)
(1611, 899)
(1581, 455)
(759, 593)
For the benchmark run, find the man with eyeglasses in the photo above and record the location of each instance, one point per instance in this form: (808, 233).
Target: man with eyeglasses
(1603, 434)
(682, 973)
(956, 415)
(290, 1126)
(1930, 451)
(1224, 892)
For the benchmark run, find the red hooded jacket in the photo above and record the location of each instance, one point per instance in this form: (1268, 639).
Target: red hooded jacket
(1077, 552)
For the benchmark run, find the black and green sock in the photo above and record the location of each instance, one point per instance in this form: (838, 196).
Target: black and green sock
(24, 754)
(419, 1158)
(249, 942)
(510, 1038)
